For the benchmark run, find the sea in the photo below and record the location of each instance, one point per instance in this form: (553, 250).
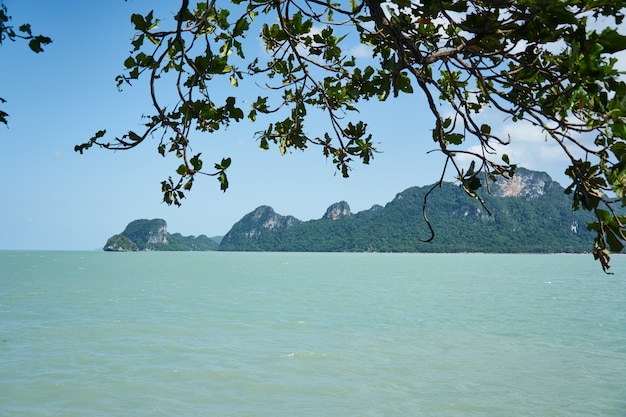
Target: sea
(310, 335)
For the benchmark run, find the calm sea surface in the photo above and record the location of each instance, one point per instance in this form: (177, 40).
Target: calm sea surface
(288, 334)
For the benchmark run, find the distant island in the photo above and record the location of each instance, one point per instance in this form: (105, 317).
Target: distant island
(152, 235)
(529, 214)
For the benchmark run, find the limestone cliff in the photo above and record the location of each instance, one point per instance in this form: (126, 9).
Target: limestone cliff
(337, 211)
(257, 223)
(152, 235)
(525, 183)
(146, 232)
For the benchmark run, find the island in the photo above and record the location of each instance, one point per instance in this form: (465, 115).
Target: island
(152, 235)
(529, 213)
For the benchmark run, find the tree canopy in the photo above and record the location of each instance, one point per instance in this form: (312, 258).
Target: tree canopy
(545, 62)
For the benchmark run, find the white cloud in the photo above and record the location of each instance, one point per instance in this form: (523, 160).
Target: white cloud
(361, 51)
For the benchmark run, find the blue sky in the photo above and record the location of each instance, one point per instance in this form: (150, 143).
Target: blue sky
(55, 198)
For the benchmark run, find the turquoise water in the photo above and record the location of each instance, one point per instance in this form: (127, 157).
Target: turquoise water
(289, 334)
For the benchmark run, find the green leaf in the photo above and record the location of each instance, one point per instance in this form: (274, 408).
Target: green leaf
(241, 26)
(134, 137)
(612, 41)
(196, 162)
(130, 62)
(404, 83)
(137, 43)
(614, 243)
(149, 22)
(223, 179)
(168, 198)
(454, 138)
(182, 170)
(473, 183)
(37, 41)
(604, 216)
(471, 170)
(134, 73)
(225, 163)
(25, 28)
(138, 21)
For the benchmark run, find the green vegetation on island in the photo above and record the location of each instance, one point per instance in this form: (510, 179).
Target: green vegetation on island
(531, 214)
(152, 235)
(120, 243)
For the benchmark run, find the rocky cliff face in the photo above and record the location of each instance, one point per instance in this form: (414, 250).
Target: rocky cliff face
(337, 211)
(148, 235)
(146, 232)
(525, 183)
(262, 220)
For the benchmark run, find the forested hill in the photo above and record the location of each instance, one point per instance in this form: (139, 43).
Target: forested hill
(152, 235)
(529, 213)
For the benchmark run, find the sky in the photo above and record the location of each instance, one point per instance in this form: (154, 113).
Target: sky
(57, 199)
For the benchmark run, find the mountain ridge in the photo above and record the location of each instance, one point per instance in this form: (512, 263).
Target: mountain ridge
(527, 213)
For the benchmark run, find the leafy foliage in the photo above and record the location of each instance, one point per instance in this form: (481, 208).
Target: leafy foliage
(543, 62)
(24, 32)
